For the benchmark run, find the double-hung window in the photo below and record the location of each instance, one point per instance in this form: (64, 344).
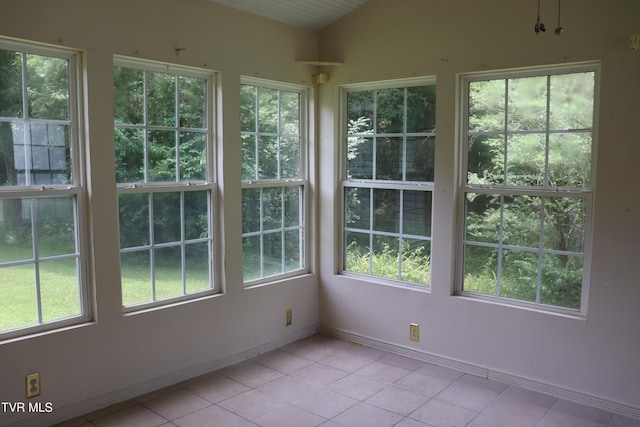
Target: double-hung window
(165, 182)
(274, 180)
(528, 140)
(389, 134)
(42, 268)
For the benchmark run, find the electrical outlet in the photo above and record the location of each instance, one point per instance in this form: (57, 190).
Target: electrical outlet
(33, 384)
(288, 318)
(414, 332)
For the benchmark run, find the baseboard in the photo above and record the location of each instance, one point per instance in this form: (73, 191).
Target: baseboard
(552, 390)
(78, 409)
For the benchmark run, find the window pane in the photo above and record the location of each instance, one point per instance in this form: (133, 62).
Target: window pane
(527, 103)
(519, 276)
(251, 210)
(272, 254)
(360, 158)
(193, 150)
(358, 208)
(59, 287)
(360, 112)
(384, 260)
(56, 226)
(197, 267)
(48, 87)
(249, 166)
(272, 208)
(248, 97)
(522, 218)
(570, 160)
(128, 97)
(267, 110)
(571, 101)
(416, 213)
(526, 160)
(268, 157)
(561, 280)
(486, 159)
(390, 110)
(292, 249)
(193, 102)
(486, 106)
(11, 85)
(357, 254)
(168, 272)
(251, 259)
(129, 155)
(482, 223)
(162, 156)
(564, 224)
(167, 213)
(480, 269)
(292, 211)
(389, 155)
(134, 219)
(420, 158)
(18, 305)
(135, 270)
(416, 261)
(196, 215)
(161, 99)
(289, 113)
(289, 157)
(421, 109)
(386, 210)
(15, 227)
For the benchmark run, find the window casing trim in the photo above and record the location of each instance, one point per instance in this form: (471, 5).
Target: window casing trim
(208, 184)
(463, 187)
(346, 182)
(302, 181)
(76, 189)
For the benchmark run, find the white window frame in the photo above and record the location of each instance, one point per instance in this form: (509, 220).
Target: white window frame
(302, 182)
(584, 193)
(209, 184)
(372, 184)
(75, 189)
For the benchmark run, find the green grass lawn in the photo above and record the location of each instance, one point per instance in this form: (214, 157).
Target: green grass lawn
(60, 297)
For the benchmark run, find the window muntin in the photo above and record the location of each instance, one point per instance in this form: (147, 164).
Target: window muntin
(528, 186)
(42, 265)
(165, 184)
(274, 181)
(388, 181)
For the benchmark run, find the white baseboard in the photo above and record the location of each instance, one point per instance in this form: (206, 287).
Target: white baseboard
(78, 409)
(552, 390)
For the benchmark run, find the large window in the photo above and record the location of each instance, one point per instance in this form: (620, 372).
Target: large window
(527, 188)
(42, 268)
(388, 180)
(274, 180)
(165, 182)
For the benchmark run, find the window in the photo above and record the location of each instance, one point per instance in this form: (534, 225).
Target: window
(165, 182)
(42, 266)
(527, 188)
(388, 181)
(274, 182)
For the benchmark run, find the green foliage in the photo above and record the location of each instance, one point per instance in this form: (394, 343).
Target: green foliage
(410, 265)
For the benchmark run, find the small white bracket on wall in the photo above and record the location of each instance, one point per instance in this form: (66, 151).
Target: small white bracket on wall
(320, 78)
(635, 41)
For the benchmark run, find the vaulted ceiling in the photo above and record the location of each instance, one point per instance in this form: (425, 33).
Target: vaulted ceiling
(309, 14)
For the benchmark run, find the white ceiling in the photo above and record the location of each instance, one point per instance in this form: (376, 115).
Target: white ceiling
(310, 14)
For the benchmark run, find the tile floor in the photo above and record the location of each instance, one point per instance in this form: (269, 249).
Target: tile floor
(323, 381)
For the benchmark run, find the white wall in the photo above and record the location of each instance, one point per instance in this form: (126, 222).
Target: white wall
(120, 354)
(597, 356)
